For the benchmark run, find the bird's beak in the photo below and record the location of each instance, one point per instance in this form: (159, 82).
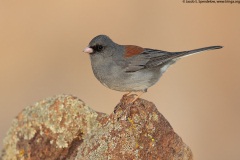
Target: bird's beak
(88, 50)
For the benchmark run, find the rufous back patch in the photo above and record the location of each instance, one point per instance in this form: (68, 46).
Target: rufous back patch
(131, 50)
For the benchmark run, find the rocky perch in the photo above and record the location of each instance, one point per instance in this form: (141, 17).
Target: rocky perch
(64, 127)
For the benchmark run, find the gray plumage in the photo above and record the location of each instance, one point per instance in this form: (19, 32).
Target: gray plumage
(131, 68)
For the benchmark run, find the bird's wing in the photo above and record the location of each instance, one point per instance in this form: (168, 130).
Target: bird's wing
(150, 58)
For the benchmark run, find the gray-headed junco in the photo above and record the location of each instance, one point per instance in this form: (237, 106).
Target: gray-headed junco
(130, 68)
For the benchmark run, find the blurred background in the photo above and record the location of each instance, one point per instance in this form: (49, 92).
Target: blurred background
(41, 45)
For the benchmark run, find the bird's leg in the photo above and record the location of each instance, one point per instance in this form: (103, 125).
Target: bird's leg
(135, 95)
(127, 94)
(126, 102)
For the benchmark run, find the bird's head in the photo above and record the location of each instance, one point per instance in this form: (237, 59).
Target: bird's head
(100, 44)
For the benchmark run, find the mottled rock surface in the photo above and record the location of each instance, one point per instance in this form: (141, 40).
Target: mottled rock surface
(64, 127)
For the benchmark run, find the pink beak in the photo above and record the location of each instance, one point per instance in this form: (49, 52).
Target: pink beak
(88, 50)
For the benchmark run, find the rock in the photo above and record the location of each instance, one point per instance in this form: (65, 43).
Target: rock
(64, 127)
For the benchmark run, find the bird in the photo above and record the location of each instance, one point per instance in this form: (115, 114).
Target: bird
(130, 68)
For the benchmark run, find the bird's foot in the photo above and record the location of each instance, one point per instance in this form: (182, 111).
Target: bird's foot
(126, 103)
(131, 97)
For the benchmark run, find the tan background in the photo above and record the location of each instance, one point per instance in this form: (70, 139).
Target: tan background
(41, 45)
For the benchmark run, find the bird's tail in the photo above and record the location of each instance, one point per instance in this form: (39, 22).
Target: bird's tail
(194, 51)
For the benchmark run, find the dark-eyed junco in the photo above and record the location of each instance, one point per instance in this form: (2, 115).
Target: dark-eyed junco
(130, 68)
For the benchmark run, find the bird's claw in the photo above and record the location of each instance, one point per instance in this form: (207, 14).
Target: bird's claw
(125, 104)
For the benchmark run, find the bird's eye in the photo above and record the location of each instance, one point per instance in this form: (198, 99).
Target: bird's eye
(98, 48)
